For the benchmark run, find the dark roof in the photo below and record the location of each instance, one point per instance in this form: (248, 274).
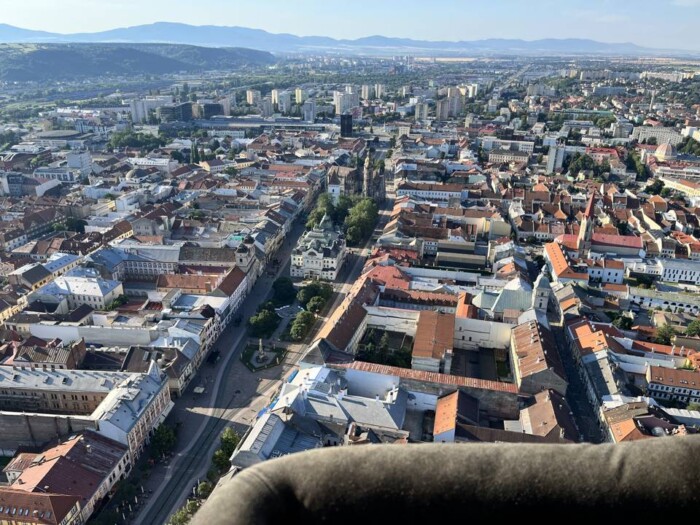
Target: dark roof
(36, 274)
(496, 435)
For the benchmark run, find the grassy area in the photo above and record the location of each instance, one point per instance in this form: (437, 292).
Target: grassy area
(502, 368)
(250, 351)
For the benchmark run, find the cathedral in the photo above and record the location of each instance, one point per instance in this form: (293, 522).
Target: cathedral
(373, 185)
(342, 180)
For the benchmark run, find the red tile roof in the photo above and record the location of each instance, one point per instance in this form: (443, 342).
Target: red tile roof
(434, 334)
(626, 241)
(433, 377)
(39, 508)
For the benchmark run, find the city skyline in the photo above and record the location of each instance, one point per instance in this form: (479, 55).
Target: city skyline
(601, 20)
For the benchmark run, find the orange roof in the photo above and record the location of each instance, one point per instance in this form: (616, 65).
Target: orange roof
(568, 241)
(560, 265)
(465, 310)
(434, 334)
(433, 377)
(592, 338)
(446, 413)
(390, 277)
(646, 346)
(673, 377)
(569, 303)
(40, 508)
(590, 207)
(626, 241)
(536, 350)
(615, 287)
(626, 431)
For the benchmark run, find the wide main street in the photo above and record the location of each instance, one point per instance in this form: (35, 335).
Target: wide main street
(234, 395)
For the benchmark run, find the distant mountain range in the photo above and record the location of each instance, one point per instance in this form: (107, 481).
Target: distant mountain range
(45, 62)
(222, 36)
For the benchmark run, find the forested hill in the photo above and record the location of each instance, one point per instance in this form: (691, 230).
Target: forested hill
(45, 62)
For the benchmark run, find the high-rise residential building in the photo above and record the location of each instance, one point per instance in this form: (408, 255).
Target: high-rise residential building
(226, 105)
(472, 90)
(252, 96)
(422, 112)
(345, 101)
(275, 96)
(309, 110)
(366, 92)
(299, 96)
(455, 105)
(142, 107)
(284, 102)
(266, 107)
(349, 89)
(379, 90)
(442, 109)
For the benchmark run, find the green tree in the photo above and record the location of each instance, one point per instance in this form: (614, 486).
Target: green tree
(221, 461)
(283, 291)
(204, 489)
(178, 156)
(655, 187)
(341, 209)
(229, 441)
(301, 325)
(129, 139)
(623, 322)
(314, 289)
(263, 323)
(163, 441)
(316, 304)
(693, 328)
(665, 334)
(181, 517)
(693, 406)
(383, 349)
(361, 220)
(76, 225)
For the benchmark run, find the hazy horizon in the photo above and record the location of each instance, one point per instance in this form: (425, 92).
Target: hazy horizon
(660, 24)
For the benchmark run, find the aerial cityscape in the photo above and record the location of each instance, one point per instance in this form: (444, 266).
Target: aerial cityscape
(221, 246)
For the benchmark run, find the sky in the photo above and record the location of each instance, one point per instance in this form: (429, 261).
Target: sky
(669, 24)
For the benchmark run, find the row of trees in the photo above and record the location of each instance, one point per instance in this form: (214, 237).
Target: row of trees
(129, 139)
(220, 465)
(314, 296)
(634, 163)
(689, 145)
(360, 221)
(585, 162)
(302, 324)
